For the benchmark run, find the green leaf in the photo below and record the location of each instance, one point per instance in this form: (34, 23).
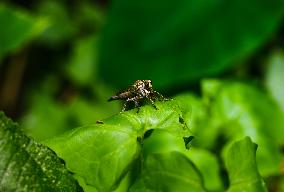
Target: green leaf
(183, 39)
(102, 154)
(83, 63)
(61, 116)
(275, 77)
(243, 110)
(26, 165)
(169, 171)
(161, 141)
(19, 28)
(199, 119)
(46, 118)
(207, 164)
(242, 167)
(61, 27)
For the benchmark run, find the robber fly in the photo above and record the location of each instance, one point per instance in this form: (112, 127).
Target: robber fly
(139, 91)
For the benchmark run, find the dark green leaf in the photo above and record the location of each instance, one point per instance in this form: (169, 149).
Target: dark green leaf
(172, 42)
(26, 165)
(61, 28)
(63, 117)
(17, 29)
(242, 168)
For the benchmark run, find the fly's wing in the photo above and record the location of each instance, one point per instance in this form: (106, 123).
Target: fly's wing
(123, 95)
(115, 97)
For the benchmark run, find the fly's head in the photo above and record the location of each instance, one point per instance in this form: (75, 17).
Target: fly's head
(143, 87)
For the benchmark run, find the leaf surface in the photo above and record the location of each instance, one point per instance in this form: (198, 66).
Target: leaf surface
(244, 110)
(102, 154)
(169, 171)
(241, 164)
(28, 166)
(182, 39)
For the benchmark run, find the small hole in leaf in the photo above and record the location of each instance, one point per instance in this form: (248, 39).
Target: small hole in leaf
(187, 141)
(148, 133)
(181, 120)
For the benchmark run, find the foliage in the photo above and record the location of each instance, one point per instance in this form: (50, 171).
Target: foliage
(102, 154)
(184, 40)
(29, 166)
(19, 28)
(243, 175)
(61, 60)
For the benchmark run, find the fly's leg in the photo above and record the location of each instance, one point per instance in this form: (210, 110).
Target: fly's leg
(152, 102)
(135, 100)
(138, 109)
(160, 96)
(124, 106)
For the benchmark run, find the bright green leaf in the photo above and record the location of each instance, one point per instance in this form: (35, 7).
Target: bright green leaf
(169, 171)
(243, 110)
(99, 154)
(173, 42)
(103, 153)
(28, 166)
(207, 164)
(199, 120)
(161, 141)
(275, 77)
(83, 63)
(242, 168)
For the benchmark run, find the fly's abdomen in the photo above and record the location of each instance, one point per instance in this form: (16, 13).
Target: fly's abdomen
(121, 96)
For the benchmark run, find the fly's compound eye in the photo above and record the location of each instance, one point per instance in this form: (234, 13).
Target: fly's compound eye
(138, 84)
(148, 83)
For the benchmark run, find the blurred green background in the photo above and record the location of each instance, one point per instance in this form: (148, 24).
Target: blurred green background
(61, 60)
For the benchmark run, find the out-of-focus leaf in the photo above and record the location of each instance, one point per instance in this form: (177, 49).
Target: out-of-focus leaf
(169, 171)
(28, 166)
(243, 110)
(90, 17)
(103, 153)
(172, 42)
(199, 119)
(83, 63)
(208, 165)
(17, 28)
(275, 77)
(161, 141)
(48, 117)
(242, 167)
(60, 27)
